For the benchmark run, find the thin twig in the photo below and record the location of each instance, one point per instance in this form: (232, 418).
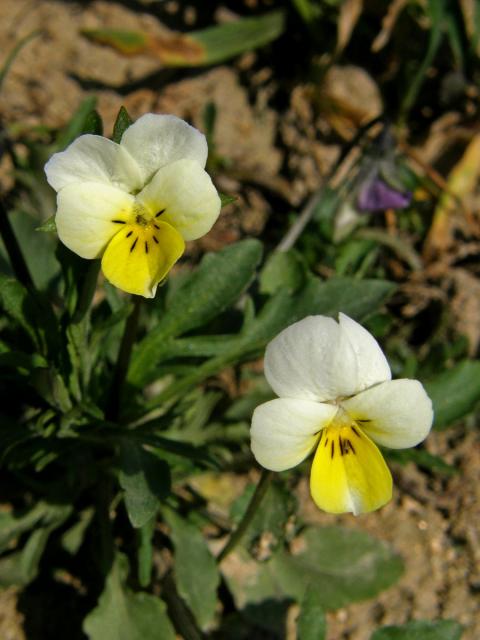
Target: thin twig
(253, 505)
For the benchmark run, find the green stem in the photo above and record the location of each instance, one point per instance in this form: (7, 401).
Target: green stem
(401, 248)
(436, 11)
(123, 360)
(87, 292)
(254, 503)
(181, 616)
(15, 254)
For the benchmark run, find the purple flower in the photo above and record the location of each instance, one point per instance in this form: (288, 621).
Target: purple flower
(376, 195)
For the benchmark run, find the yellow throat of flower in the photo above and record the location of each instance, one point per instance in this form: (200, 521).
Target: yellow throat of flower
(348, 471)
(142, 252)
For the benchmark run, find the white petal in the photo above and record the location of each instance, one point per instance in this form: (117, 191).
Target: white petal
(284, 431)
(397, 414)
(319, 359)
(156, 140)
(85, 214)
(372, 365)
(93, 159)
(185, 195)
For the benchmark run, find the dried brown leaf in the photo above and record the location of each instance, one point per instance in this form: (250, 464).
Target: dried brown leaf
(394, 10)
(350, 12)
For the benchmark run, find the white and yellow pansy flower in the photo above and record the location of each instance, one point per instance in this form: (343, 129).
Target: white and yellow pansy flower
(337, 399)
(135, 203)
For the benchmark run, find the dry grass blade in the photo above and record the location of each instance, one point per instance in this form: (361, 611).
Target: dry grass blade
(462, 181)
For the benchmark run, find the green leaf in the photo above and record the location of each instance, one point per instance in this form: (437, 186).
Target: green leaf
(347, 565)
(48, 226)
(127, 42)
(41, 261)
(245, 34)
(14, 53)
(122, 122)
(21, 567)
(72, 538)
(76, 125)
(93, 124)
(23, 363)
(124, 615)
(196, 573)
(271, 520)
(356, 298)
(436, 13)
(421, 630)
(145, 552)
(13, 524)
(226, 199)
(455, 392)
(282, 270)
(422, 458)
(146, 481)
(29, 312)
(214, 286)
(197, 48)
(311, 623)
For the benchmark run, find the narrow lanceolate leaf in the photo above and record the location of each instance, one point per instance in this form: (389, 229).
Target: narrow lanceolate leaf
(145, 480)
(13, 525)
(14, 53)
(21, 567)
(48, 226)
(145, 552)
(76, 125)
(212, 288)
(196, 573)
(356, 298)
(122, 614)
(93, 123)
(226, 199)
(311, 623)
(30, 313)
(455, 392)
(197, 48)
(421, 630)
(122, 122)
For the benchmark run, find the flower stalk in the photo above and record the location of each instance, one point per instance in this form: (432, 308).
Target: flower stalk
(254, 504)
(123, 360)
(87, 292)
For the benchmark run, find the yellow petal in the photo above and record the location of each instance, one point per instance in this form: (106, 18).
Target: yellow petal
(140, 256)
(349, 472)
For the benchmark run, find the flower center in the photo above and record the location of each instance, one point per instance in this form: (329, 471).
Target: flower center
(139, 217)
(142, 216)
(341, 434)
